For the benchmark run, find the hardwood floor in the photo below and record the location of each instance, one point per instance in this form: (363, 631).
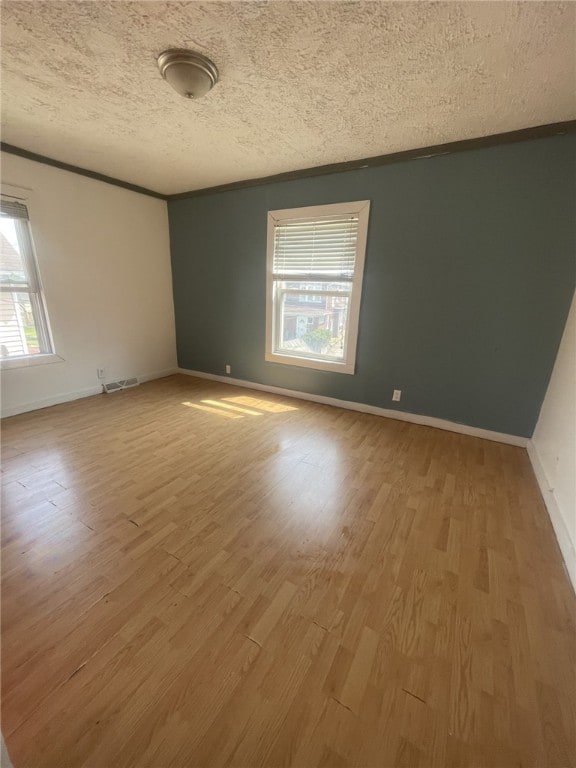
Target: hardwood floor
(198, 575)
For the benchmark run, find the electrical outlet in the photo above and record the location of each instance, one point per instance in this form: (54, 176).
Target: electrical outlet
(396, 395)
(228, 369)
(101, 372)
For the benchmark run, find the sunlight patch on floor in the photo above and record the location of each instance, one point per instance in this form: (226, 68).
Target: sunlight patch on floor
(216, 411)
(263, 405)
(236, 407)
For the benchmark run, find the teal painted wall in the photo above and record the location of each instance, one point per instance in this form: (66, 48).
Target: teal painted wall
(470, 269)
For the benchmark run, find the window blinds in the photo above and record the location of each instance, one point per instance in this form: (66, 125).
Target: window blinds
(321, 248)
(13, 208)
(17, 268)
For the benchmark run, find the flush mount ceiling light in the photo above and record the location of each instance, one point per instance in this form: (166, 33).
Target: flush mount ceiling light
(190, 74)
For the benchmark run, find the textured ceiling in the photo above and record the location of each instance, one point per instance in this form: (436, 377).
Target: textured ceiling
(302, 83)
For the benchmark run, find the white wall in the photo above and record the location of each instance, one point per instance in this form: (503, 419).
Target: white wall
(104, 261)
(553, 445)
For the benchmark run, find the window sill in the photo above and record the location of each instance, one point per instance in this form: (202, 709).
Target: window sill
(26, 361)
(310, 362)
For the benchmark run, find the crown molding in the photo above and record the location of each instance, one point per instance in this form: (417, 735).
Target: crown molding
(481, 142)
(510, 137)
(25, 153)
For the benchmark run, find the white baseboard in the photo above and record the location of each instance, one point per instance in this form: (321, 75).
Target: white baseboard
(46, 402)
(66, 397)
(414, 418)
(558, 520)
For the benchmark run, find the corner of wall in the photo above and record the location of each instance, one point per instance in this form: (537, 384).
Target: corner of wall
(556, 513)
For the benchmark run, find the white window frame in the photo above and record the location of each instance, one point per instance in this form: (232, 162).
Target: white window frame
(22, 195)
(348, 364)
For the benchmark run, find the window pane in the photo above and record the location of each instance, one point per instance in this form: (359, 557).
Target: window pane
(18, 334)
(313, 325)
(304, 285)
(12, 266)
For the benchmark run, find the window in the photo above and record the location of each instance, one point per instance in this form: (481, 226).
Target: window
(314, 286)
(24, 332)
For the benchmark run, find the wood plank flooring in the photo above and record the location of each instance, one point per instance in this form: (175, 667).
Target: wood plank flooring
(198, 575)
